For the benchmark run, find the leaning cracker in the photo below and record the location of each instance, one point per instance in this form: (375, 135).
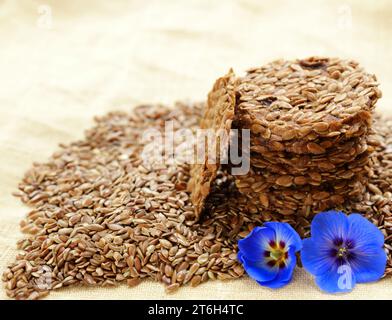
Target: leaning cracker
(218, 116)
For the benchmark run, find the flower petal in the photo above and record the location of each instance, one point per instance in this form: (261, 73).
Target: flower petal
(363, 232)
(258, 270)
(286, 233)
(254, 245)
(315, 257)
(284, 275)
(369, 265)
(329, 226)
(369, 259)
(337, 279)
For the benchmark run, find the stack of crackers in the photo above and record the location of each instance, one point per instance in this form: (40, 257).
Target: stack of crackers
(308, 122)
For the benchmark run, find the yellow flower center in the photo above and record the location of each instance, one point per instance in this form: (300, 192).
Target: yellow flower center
(277, 255)
(342, 252)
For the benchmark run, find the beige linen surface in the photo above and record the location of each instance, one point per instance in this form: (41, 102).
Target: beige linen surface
(62, 62)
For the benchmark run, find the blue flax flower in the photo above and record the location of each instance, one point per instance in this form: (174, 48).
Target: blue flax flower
(268, 254)
(342, 251)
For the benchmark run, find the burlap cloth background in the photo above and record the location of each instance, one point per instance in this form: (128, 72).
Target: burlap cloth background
(62, 62)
